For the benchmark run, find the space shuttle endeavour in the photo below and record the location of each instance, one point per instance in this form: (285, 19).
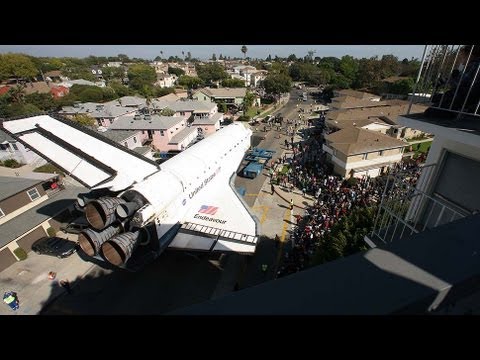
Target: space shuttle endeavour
(136, 208)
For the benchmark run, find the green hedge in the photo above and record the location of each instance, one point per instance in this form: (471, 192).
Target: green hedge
(51, 231)
(20, 253)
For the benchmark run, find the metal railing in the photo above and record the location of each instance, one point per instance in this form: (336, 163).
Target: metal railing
(449, 79)
(406, 208)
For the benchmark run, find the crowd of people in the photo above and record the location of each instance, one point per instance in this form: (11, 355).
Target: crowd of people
(334, 198)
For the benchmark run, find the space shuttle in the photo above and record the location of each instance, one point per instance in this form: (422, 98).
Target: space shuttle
(136, 208)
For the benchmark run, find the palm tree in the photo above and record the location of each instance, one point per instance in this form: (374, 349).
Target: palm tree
(161, 53)
(244, 51)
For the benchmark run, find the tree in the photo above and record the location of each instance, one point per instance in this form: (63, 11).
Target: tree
(244, 51)
(84, 120)
(233, 83)
(268, 58)
(210, 73)
(18, 66)
(348, 67)
(140, 75)
(183, 54)
(190, 81)
(176, 71)
(214, 57)
(389, 66)
(189, 56)
(248, 100)
(277, 84)
(346, 237)
(222, 107)
(292, 57)
(124, 58)
(220, 57)
(402, 87)
(120, 89)
(167, 112)
(43, 102)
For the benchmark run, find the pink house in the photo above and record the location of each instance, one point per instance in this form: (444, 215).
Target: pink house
(163, 133)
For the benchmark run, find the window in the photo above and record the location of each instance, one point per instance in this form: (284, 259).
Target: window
(2, 214)
(33, 194)
(135, 139)
(4, 146)
(143, 132)
(111, 121)
(162, 133)
(365, 156)
(380, 153)
(182, 113)
(15, 147)
(125, 144)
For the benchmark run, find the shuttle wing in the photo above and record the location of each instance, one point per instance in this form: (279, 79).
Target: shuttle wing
(218, 221)
(84, 154)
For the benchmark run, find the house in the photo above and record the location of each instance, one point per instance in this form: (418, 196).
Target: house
(59, 91)
(207, 125)
(10, 148)
(54, 76)
(114, 64)
(230, 96)
(105, 114)
(384, 114)
(97, 72)
(357, 152)
(351, 102)
(132, 101)
(163, 133)
(166, 80)
(257, 77)
(131, 139)
(356, 94)
(29, 206)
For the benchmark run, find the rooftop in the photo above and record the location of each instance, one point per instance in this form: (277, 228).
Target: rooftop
(208, 121)
(182, 134)
(156, 122)
(224, 92)
(38, 214)
(10, 186)
(142, 150)
(353, 140)
(119, 135)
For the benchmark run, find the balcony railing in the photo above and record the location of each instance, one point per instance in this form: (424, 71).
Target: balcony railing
(406, 208)
(449, 81)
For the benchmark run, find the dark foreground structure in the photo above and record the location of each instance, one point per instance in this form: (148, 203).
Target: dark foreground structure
(426, 272)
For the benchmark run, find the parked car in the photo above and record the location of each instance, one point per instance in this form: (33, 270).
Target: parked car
(75, 226)
(54, 246)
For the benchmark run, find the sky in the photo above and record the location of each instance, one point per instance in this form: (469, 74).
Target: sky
(206, 51)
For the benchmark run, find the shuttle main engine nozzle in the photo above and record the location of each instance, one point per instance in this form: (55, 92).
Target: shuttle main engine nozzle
(91, 241)
(101, 212)
(119, 249)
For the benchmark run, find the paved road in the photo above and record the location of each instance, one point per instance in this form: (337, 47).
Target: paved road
(178, 279)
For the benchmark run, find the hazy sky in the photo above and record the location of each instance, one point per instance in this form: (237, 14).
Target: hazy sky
(206, 51)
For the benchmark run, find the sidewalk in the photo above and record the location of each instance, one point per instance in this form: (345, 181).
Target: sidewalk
(29, 279)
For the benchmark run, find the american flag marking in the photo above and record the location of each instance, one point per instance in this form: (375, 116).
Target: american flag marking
(210, 210)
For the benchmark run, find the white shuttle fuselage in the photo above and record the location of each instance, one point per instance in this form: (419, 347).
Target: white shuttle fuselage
(201, 169)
